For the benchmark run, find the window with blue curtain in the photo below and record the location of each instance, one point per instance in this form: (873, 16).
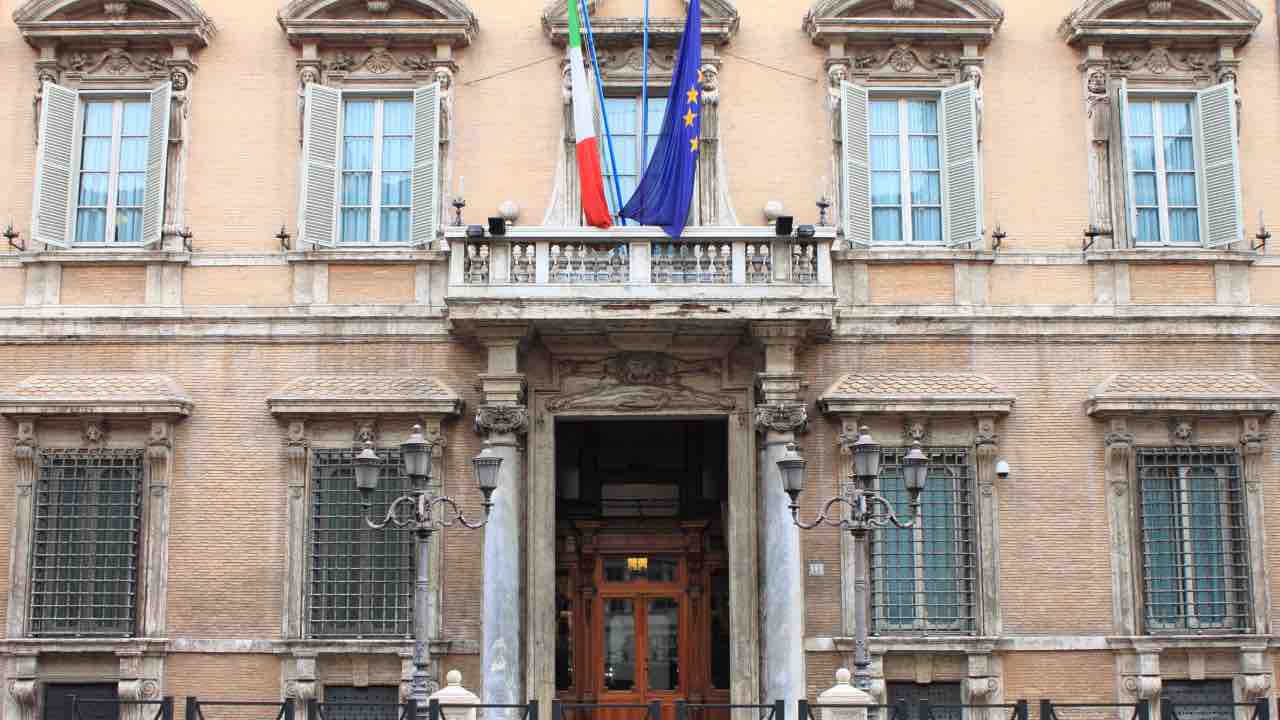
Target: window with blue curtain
(1195, 557)
(1162, 171)
(377, 166)
(923, 578)
(625, 126)
(906, 170)
(113, 171)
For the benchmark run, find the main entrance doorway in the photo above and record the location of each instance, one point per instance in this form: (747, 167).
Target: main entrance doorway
(642, 571)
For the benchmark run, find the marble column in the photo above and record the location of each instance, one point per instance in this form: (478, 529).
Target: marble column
(502, 420)
(779, 417)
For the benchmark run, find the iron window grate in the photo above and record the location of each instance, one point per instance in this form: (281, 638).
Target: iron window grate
(1199, 699)
(84, 556)
(922, 580)
(1195, 545)
(361, 578)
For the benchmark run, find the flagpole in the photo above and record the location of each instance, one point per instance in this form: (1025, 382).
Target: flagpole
(644, 95)
(604, 112)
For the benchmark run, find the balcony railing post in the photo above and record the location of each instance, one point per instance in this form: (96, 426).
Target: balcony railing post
(823, 261)
(499, 262)
(542, 262)
(457, 261)
(781, 254)
(739, 262)
(641, 262)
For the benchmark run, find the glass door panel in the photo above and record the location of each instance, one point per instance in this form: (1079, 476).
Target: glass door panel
(619, 655)
(662, 636)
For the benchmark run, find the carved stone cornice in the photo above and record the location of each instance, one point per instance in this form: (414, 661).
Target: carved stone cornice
(785, 417)
(1218, 22)
(364, 396)
(182, 23)
(851, 22)
(1182, 394)
(916, 394)
(96, 395)
(449, 23)
(719, 24)
(498, 419)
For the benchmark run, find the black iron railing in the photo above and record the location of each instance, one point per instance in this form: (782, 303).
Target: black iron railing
(238, 710)
(97, 709)
(1257, 710)
(1050, 710)
(715, 711)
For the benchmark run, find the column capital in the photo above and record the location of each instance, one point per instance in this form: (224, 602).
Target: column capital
(506, 388)
(502, 419)
(782, 417)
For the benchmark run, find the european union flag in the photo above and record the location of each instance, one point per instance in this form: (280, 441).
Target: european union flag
(666, 188)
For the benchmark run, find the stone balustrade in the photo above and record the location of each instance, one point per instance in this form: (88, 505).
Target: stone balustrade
(641, 256)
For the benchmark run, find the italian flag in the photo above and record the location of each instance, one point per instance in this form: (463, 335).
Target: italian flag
(594, 206)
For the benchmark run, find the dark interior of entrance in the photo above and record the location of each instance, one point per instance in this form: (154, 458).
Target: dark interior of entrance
(642, 570)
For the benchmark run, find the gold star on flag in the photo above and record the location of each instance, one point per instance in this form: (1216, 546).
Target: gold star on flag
(693, 96)
(693, 144)
(689, 118)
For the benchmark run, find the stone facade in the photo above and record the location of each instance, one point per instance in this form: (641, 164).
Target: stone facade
(231, 348)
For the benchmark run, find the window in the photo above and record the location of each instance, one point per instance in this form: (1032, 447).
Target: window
(1162, 162)
(88, 513)
(377, 168)
(361, 579)
(1195, 555)
(343, 702)
(906, 178)
(103, 701)
(113, 171)
(944, 695)
(911, 171)
(1182, 167)
(101, 168)
(370, 167)
(625, 125)
(1198, 699)
(923, 578)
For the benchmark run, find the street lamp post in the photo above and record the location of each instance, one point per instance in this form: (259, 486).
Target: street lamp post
(424, 513)
(858, 509)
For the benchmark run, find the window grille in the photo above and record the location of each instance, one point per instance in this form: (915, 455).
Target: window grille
(88, 510)
(945, 696)
(923, 578)
(361, 578)
(1199, 699)
(1195, 548)
(376, 702)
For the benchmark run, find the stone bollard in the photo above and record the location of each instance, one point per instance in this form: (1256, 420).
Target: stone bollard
(454, 694)
(844, 693)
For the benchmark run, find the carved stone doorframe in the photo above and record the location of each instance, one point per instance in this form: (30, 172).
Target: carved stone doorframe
(640, 386)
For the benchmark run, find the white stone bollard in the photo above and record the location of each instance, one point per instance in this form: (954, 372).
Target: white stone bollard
(844, 693)
(454, 694)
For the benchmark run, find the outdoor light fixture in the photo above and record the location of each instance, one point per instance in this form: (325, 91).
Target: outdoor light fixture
(866, 455)
(475, 232)
(423, 513)
(915, 470)
(367, 471)
(416, 455)
(806, 231)
(791, 465)
(486, 466)
(859, 509)
(782, 227)
(497, 226)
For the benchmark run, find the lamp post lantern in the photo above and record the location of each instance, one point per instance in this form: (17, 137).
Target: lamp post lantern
(424, 513)
(858, 509)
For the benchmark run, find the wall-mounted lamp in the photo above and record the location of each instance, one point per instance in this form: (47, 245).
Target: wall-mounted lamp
(12, 236)
(1091, 235)
(284, 237)
(1263, 234)
(997, 238)
(186, 235)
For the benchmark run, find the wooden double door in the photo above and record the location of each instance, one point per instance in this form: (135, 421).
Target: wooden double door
(639, 622)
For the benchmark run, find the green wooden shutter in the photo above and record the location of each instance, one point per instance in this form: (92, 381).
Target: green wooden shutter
(962, 198)
(426, 155)
(51, 216)
(1220, 158)
(320, 143)
(157, 164)
(856, 190)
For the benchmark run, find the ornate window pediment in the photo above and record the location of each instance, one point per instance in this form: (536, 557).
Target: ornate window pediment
(1211, 22)
(719, 24)
(420, 22)
(151, 22)
(844, 21)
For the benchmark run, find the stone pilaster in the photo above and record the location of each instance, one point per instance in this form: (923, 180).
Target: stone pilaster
(1119, 463)
(986, 447)
(1252, 445)
(24, 454)
(503, 420)
(156, 570)
(779, 417)
(297, 451)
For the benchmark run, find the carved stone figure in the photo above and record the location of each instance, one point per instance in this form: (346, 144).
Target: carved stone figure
(1159, 8)
(1181, 431)
(444, 78)
(309, 75)
(902, 59)
(782, 417)
(1098, 106)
